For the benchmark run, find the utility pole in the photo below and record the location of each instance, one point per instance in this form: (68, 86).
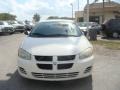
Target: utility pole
(72, 10)
(87, 18)
(78, 5)
(87, 10)
(103, 11)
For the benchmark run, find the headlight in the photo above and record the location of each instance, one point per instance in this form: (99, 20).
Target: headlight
(84, 30)
(24, 54)
(87, 53)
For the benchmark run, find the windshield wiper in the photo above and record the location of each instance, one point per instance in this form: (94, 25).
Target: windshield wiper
(73, 35)
(37, 35)
(63, 35)
(52, 35)
(57, 35)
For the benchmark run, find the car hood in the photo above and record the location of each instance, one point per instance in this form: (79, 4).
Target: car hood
(55, 46)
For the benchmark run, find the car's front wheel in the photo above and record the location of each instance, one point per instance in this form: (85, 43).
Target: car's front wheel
(21, 31)
(115, 35)
(11, 32)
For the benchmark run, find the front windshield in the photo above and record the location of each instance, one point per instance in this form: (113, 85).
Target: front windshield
(55, 29)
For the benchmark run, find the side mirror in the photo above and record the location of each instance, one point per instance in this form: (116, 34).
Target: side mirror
(26, 32)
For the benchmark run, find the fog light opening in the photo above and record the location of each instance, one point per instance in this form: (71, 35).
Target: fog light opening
(22, 70)
(88, 69)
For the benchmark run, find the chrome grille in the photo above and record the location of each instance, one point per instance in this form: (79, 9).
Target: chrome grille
(66, 58)
(43, 58)
(55, 76)
(65, 66)
(45, 66)
(48, 62)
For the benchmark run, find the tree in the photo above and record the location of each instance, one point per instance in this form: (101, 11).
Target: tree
(7, 16)
(36, 17)
(56, 17)
(68, 18)
(53, 17)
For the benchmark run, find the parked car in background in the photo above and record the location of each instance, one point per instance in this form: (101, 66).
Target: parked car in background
(19, 27)
(55, 50)
(28, 26)
(111, 28)
(86, 26)
(6, 28)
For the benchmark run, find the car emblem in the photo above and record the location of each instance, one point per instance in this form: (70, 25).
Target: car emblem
(54, 63)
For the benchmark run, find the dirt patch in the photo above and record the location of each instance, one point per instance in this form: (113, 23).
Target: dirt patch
(101, 50)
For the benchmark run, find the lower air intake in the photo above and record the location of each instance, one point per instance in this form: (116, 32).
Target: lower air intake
(55, 76)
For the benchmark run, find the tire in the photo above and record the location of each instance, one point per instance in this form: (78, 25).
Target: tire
(21, 31)
(11, 32)
(108, 35)
(115, 35)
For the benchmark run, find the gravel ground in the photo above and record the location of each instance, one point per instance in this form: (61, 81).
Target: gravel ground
(106, 72)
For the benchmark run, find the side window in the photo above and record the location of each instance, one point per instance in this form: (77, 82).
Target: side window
(114, 23)
(76, 27)
(111, 24)
(118, 23)
(1, 23)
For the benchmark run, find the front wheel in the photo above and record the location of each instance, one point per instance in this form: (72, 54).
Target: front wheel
(11, 32)
(21, 31)
(115, 35)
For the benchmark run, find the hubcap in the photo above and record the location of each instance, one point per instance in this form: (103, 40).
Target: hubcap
(115, 35)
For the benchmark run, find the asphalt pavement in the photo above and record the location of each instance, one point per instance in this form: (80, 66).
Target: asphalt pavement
(106, 70)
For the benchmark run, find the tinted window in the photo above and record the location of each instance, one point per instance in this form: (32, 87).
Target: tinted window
(114, 23)
(55, 29)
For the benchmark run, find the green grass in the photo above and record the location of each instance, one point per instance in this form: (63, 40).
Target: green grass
(108, 44)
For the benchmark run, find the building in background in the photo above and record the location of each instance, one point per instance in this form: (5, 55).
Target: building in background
(99, 14)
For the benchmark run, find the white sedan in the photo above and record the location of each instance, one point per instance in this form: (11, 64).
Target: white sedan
(5, 27)
(55, 50)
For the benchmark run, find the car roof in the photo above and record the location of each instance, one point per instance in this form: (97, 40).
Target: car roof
(110, 20)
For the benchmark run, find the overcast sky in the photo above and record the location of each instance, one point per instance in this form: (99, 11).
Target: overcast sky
(25, 9)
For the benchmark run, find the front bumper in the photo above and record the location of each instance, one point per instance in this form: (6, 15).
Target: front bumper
(80, 69)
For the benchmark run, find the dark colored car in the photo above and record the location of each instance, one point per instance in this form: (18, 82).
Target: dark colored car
(91, 26)
(28, 26)
(111, 28)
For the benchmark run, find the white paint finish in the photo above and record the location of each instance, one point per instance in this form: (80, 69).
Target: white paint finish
(55, 46)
